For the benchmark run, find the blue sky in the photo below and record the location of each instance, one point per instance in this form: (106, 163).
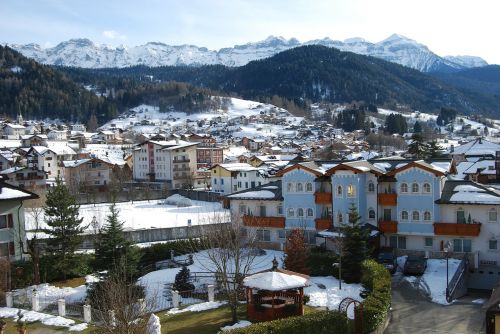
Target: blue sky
(446, 27)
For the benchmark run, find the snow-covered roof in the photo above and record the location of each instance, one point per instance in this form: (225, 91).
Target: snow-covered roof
(478, 147)
(468, 192)
(269, 191)
(274, 281)
(9, 192)
(237, 167)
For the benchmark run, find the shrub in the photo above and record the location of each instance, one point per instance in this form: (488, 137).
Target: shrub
(377, 282)
(160, 252)
(182, 280)
(321, 263)
(321, 322)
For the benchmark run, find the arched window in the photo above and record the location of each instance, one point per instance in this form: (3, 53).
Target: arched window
(290, 212)
(414, 188)
(300, 187)
(340, 219)
(309, 187)
(289, 187)
(350, 191)
(310, 212)
(371, 214)
(371, 187)
(404, 188)
(415, 216)
(492, 216)
(300, 212)
(404, 215)
(426, 188)
(427, 216)
(339, 191)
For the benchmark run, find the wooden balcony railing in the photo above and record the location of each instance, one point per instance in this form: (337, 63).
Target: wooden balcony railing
(322, 198)
(388, 226)
(323, 223)
(388, 199)
(463, 230)
(180, 160)
(256, 221)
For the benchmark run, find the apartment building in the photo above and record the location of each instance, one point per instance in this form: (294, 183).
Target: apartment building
(232, 177)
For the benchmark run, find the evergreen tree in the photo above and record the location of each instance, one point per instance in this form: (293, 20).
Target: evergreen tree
(417, 128)
(92, 124)
(113, 249)
(396, 123)
(296, 252)
(182, 280)
(417, 147)
(355, 248)
(65, 227)
(434, 150)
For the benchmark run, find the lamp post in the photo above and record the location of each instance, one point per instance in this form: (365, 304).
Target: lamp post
(447, 248)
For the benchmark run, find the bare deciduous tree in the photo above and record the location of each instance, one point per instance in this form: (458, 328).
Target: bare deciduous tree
(229, 254)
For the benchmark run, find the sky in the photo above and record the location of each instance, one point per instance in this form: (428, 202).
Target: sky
(458, 27)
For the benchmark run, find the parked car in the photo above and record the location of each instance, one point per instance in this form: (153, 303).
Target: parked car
(415, 265)
(387, 257)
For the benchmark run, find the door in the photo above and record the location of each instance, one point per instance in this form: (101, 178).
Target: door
(387, 214)
(263, 211)
(497, 323)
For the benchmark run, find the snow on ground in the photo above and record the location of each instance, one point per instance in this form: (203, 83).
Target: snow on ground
(197, 307)
(144, 214)
(46, 319)
(239, 324)
(433, 281)
(154, 325)
(479, 301)
(325, 292)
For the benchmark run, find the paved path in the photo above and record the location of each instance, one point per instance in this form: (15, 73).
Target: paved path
(413, 313)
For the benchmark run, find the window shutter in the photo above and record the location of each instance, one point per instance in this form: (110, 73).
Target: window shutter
(10, 221)
(12, 249)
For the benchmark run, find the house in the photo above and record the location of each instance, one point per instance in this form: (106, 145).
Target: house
(50, 159)
(8, 159)
(33, 140)
(13, 131)
(25, 178)
(58, 135)
(204, 140)
(87, 173)
(209, 156)
(78, 128)
(476, 149)
(172, 162)
(231, 177)
(107, 137)
(12, 229)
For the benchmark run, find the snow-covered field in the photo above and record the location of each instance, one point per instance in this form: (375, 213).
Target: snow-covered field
(46, 319)
(148, 214)
(433, 281)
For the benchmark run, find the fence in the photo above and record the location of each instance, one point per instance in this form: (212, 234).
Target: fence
(457, 285)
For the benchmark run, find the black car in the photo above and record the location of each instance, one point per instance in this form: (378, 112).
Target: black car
(387, 257)
(415, 265)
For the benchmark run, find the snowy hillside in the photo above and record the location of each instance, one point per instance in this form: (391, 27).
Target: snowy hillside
(84, 53)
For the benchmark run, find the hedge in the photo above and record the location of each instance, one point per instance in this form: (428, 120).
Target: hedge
(321, 262)
(161, 251)
(376, 280)
(321, 322)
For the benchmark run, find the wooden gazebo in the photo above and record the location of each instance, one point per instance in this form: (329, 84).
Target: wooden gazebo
(274, 294)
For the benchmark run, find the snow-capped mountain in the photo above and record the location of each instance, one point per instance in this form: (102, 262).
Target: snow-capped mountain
(84, 53)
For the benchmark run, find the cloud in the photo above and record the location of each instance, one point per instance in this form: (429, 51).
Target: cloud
(112, 34)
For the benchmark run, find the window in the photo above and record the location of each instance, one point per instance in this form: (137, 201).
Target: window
(428, 242)
(4, 249)
(414, 188)
(397, 242)
(460, 216)
(415, 216)
(340, 219)
(243, 209)
(290, 213)
(263, 235)
(221, 180)
(280, 210)
(371, 187)
(404, 188)
(300, 212)
(339, 191)
(300, 187)
(427, 216)
(371, 214)
(492, 216)
(493, 244)
(404, 215)
(289, 187)
(215, 180)
(426, 188)
(310, 212)
(3, 222)
(309, 187)
(462, 245)
(281, 234)
(246, 185)
(350, 190)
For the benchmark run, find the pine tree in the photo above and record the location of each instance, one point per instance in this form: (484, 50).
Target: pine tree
(355, 248)
(182, 280)
(417, 128)
(296, 252)
(417, 147)
(434, 150)
(113, 249)
(92, 124)
(65, 227)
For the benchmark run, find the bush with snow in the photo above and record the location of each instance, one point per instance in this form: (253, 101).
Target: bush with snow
(154, 326)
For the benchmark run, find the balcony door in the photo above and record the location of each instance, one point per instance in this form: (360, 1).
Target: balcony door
(262, 211)
(387, 214)
(460, 217)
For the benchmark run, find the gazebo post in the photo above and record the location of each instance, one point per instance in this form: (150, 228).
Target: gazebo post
(301, 301)
(272, 305)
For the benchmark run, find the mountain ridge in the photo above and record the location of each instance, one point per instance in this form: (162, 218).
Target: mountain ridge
(82, 52)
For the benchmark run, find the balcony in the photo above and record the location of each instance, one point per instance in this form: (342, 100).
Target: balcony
(388, 199)
(255, 221)
(463, 230)
(323, 223)
(388, 226)
(322, 198)
(175, 161)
